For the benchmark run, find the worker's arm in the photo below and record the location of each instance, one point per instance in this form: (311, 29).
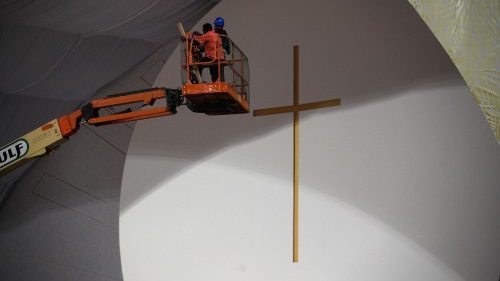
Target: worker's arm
(49, 136)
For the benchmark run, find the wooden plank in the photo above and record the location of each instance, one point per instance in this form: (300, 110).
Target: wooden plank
(295, 187)
(296, 108)
(195, 69)
(295, 155)
(296, 75)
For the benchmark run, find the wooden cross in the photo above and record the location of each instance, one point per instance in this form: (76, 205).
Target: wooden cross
(296, 108)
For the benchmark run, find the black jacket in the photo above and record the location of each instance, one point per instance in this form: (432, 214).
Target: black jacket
(225, 40)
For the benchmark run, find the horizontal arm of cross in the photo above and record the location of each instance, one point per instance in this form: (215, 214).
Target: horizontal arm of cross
(296, 108)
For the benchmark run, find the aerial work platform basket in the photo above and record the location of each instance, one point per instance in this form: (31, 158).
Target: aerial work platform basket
(228, 90)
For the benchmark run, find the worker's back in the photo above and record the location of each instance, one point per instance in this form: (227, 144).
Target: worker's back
(212, 44)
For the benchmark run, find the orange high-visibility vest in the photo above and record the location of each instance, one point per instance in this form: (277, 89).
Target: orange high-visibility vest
(213, 45)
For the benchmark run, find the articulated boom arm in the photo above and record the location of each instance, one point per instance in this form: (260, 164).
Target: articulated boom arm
(90, 112)
(228, 93)
(49, 136)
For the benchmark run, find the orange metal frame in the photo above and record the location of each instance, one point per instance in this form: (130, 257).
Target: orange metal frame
(69, 124)
(190, 89)
(190, 62)
(216, 87)
(147, 98)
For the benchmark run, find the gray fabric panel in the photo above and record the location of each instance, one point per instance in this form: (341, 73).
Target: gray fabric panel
(116, 135)
(67, 15)
(149, 76)
(28, 54)
(60, 220)
(55, 65)
(22, 114)
(41, 270)
(8, 182)
(68, 194)
(90, 163)
(53, 189)
(134, 79)
(138, 19)
(93, 63)
(74, 70)
(40, 229)
(159, 24)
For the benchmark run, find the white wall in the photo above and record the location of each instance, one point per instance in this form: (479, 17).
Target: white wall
(399, 183)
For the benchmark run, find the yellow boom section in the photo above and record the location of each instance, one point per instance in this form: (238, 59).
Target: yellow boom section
(35, 143)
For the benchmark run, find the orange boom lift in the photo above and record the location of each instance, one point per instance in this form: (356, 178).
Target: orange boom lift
(216, 98)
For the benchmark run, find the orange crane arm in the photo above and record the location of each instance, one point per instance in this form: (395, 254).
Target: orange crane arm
(69, 124)
(50, 135)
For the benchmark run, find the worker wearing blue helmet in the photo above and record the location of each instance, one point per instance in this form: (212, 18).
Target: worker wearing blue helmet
(219, 29)
(219, 22)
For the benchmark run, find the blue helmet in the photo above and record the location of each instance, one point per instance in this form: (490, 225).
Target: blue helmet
(219, 21)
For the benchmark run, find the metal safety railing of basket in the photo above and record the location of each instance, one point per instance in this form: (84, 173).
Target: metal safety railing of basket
(230, 65)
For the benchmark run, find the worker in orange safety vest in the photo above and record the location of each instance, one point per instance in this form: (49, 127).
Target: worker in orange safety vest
(213, 51)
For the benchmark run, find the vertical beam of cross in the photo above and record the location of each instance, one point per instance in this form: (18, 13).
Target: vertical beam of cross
(295, 154)
(296, 108)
